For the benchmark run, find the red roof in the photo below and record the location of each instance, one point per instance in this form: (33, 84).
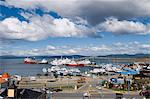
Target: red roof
(2, 80)
(6, 75)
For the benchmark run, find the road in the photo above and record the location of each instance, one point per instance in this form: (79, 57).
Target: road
(78, 96)
(96, 96)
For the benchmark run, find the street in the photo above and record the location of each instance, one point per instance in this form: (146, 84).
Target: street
(94, 96)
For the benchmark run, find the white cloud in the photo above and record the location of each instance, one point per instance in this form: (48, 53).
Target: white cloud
(125, 27)
(102, 48)
(39, 28)
(146, 46)
(72, 51)
(131, 48)
(27, 15)
(42, 27)
(94, 10)
(116, 48)
(50, 47)
(12, 28)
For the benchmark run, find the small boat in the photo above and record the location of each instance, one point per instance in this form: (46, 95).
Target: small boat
(54, 69)
(98, 70)
(64, 71)
(44, 61)
(30, 61)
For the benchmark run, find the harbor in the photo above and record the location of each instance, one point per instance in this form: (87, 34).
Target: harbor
(74, 49)
(98, 80)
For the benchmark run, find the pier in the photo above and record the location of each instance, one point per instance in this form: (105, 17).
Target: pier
(47, 82)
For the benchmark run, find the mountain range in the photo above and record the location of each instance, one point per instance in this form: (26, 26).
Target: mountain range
(80, 56)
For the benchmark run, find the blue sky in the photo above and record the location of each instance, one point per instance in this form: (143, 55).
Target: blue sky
(66, 28)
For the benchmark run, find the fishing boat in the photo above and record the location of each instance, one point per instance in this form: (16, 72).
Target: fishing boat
(30, 61)
(98, 70)
(64, 71)
(44, 61)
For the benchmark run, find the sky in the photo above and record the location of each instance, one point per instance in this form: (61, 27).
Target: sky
(74, 27)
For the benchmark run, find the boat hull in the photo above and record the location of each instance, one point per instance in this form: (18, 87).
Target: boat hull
(43, 63)
(76, 65)
(27, 62)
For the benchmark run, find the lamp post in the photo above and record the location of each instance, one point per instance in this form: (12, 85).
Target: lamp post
(100, 89)
(128, 86)
(50, 95)
(128, 82)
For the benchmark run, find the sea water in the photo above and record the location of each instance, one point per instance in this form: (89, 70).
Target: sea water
(17, 66)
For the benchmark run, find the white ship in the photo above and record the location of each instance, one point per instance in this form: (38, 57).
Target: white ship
(62, 61)
(71, 62)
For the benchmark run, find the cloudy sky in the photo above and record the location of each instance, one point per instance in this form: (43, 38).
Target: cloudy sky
(69, 27)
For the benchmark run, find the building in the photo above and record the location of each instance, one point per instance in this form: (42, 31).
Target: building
(4, 80)
(14, 93)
